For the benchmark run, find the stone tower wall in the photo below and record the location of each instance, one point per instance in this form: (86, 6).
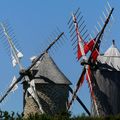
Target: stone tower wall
(106, 86)
(53, 98)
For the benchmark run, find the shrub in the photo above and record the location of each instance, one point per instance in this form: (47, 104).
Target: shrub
(60, 116)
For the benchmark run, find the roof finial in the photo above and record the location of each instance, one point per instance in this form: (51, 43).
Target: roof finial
(113, 41)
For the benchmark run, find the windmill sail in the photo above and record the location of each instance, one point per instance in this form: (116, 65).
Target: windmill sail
(82, 53)
(78, 34)
(19, 54)
(16, 86)
(30, 90)
(80, 40)
(15, 54)
(14, 61)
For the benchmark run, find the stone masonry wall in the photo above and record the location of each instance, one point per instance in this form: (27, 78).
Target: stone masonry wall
(53, 98)
(106, 86)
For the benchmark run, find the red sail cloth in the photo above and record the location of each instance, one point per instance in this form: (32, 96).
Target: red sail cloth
(88, 46)
(95, 54)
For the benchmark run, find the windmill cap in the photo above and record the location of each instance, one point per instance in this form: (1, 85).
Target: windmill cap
(112, 51)
(48, 72)
(111, 57)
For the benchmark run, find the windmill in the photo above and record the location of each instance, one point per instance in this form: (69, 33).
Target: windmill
(25, 75)
(35, 77)
(82, 48)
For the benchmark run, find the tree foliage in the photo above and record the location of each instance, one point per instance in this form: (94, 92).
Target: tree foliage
(60, 116)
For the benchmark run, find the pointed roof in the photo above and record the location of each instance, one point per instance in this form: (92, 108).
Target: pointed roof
(48, 72)
(112, 51)
(111, 57)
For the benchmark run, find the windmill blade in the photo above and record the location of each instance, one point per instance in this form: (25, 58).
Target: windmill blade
(88, 74)
(77, 12)
(16, 54)
(98, 39)
(31, 89)
(62, 37)
(100, 26)
(7, 29)
(60, 42)
(16, 86)
(80, 101)
(12, 86)
(78, 85)
(26, 72)
(79, 33)
(110, 9)
(46, 50)
(100, 22)
(71, 24)
(33, 93)
(97, 29)
(14, 61)
(80, 40)
(19, 54)
(107, 9)
(79, 37)
(86, 37)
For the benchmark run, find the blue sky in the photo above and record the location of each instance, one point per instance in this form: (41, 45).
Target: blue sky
(33, 22)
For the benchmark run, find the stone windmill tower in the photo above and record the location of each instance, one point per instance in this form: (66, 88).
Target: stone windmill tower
(89, 62)
(103, 72)
(52, 88)
(106, 79)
